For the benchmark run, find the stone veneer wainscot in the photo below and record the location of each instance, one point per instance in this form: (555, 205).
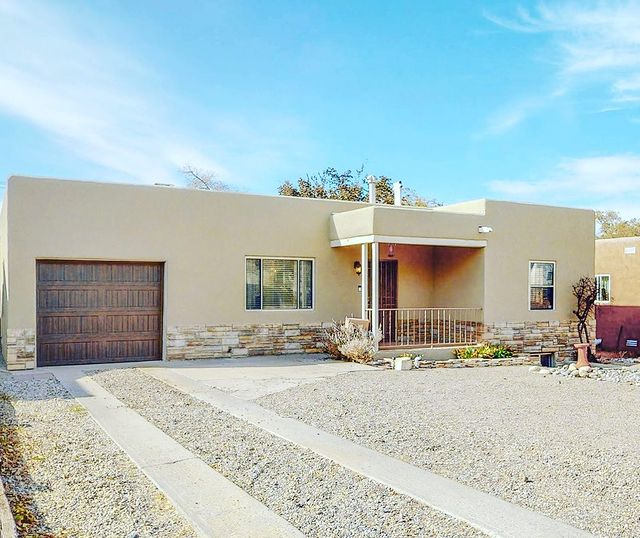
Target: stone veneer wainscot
(535, 337)
(21, 349)
(209, 341)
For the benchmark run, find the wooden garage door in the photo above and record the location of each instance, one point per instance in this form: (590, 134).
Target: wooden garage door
(93, 312)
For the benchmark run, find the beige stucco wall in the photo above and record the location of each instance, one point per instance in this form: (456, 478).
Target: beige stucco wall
(523, 232)
(406, 222)
(4, 256)
(624, 269)
(204, 237)
(458, 277)
(431, 276)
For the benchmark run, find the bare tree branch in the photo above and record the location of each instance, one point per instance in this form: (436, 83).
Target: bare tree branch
(206, 180)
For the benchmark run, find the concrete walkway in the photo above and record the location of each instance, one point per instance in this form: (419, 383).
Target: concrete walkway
(253, 377)
(488, 513)
(214, 505)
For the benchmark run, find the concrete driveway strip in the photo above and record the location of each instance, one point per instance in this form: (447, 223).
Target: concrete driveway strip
(214, 505)
(494, 516)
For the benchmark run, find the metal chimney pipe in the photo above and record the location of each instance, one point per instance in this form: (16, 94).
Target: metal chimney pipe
(397, 193)
(372, 189)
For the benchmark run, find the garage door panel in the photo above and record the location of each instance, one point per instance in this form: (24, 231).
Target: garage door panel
(131, 349)
(91, 312)
(71, 298)
(68, 325)
(131, 298)
(59, 353)
(133, 323)
(132, 273)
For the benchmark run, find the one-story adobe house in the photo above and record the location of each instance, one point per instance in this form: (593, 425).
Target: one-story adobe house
(103, 272)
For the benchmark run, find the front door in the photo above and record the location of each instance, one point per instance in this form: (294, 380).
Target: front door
(387, 298)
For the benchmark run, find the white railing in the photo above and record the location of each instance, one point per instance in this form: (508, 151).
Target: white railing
(428, 327)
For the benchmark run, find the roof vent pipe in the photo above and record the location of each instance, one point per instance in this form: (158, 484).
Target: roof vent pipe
(397, 193)
(372, 189)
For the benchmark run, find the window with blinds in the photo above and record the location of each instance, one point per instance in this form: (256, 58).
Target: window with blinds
(279, 284)
(542, 285)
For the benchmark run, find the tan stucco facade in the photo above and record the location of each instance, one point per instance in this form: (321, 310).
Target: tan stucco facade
(620, 259)
(203, 239)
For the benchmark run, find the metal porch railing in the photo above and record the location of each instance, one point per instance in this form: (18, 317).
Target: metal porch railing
(428, 327)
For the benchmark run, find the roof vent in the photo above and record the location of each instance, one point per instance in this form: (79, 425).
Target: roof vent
(397, 193)
(372, 189)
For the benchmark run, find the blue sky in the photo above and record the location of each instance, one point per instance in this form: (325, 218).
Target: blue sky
(524, 101)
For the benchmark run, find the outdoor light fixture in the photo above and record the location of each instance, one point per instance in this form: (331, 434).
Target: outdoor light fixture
(485, 229)
(357, 267)
(391, 251)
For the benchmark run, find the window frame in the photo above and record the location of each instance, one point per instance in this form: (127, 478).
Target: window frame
(296, 258)
(553, 286)
(608, 275)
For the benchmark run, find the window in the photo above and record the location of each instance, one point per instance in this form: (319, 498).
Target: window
(279, 284)
(542, 285)
(603, 285)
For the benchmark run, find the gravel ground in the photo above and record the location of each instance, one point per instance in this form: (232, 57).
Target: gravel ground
(316, 496)
(79, 482)
(565, 447)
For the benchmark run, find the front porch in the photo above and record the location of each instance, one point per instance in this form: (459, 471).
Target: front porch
(417, 290)
(422, 296)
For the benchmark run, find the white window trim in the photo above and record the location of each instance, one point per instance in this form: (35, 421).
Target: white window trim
(608, 275)
(313, 284)
(530, 286)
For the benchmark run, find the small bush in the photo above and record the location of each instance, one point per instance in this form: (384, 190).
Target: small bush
(484, 351)
(349, 342)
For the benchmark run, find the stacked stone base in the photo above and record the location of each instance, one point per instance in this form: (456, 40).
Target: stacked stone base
(21, 349)
(536, 337)
(216, 341)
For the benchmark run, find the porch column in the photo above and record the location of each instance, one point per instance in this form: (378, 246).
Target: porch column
(375, 290)
(364, 278)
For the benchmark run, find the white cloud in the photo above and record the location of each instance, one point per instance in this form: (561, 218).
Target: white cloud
(613, 181)
(102, 104)
(590, 42)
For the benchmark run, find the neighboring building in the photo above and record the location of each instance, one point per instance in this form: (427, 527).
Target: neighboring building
(617, 267)
(101, 272)
(618, 271)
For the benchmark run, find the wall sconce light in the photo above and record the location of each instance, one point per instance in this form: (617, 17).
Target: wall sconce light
(391, 251)
(485, 229)
(357, 266)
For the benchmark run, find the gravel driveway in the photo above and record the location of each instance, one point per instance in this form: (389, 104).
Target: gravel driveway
(316, 496)
(569, 448)
(78, 482)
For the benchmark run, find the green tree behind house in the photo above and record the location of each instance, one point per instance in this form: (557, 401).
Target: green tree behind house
(613, 225)
(351, 186)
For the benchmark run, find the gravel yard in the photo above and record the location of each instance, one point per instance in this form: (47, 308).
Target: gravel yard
(70, 474)
(316, 496)
(565, 447)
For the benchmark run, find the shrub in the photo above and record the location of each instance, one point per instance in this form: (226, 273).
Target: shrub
(483, 351)
(349, 342)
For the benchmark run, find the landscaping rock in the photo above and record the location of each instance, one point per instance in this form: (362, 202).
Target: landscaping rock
(81, 483)
(490, 427)
(317, 496)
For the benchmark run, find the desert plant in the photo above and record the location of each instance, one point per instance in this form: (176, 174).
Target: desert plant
(483, 351)
(349, 342)
(585, 290)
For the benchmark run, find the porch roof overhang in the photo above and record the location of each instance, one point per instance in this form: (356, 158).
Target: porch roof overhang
(408, 226)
